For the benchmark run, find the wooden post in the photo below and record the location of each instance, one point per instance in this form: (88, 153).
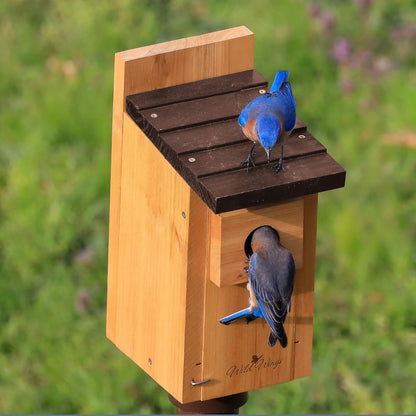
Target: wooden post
(222, 405)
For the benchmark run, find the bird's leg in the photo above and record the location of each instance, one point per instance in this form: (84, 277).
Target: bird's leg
(279, 165)
(249, 161)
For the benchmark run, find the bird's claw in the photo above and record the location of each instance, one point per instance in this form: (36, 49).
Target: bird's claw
(249, 161)
(278, 167)
(245, 269)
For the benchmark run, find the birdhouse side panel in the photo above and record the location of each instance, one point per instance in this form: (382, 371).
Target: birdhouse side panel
(303, 295)
(150, 299)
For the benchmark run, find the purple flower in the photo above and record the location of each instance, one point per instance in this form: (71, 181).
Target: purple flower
(315, 9)
(341, 51)
(327, 22)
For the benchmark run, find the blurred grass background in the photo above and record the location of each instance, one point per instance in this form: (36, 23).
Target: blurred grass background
(353, 73)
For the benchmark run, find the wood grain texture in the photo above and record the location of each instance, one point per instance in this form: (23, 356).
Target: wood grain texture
(136, 213)
(195, 292)
(303, 299)
(229, 231)
(303, 176)
(152, 275)
(237, 357)
(203, 89)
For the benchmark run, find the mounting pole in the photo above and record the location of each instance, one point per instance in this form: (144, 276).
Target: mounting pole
(222, 405)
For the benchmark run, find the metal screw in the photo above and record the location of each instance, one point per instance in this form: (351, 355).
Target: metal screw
(192, 160)
(149, 361)
(153, 115)
(302, 136)
(262, 91)
(183, 215)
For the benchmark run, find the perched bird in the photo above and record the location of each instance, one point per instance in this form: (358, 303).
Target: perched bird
(270, 118)
(271, 275)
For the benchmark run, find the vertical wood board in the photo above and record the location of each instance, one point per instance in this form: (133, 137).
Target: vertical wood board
(303, 301)
(152, 274)
(134, 215)
(236, 357)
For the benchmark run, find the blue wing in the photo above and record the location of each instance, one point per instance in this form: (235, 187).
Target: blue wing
(284, 100)
(272, 288)
(289, 106)
(263, 299)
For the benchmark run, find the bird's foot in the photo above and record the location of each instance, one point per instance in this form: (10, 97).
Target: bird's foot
(279, 167)
(249, 161)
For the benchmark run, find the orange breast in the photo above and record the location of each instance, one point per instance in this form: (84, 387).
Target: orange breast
(248, 130)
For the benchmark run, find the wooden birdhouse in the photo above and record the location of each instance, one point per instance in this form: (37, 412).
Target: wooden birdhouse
(182, 207)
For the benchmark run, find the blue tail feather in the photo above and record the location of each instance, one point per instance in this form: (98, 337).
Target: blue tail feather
(248, 314)
(279, 79)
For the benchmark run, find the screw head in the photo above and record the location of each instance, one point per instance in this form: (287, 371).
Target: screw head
(262, 91)
(302, 136)
(192, 160)
(153, 115)
(183, 214)
(149, 361)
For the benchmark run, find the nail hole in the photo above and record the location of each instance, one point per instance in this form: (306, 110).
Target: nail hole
(183, 215)
(149, 361)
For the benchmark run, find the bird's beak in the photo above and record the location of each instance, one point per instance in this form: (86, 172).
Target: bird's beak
(267, 149)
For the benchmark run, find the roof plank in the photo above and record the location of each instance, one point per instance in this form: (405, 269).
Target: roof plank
(195, 127)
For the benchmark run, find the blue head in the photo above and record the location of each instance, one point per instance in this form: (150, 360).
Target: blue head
(268, 129)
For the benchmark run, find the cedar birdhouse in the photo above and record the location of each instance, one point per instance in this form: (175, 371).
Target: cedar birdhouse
(182, 207)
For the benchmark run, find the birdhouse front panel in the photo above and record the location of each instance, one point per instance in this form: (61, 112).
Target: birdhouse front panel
(237, 357)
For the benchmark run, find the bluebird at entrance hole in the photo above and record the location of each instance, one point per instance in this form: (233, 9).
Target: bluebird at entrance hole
(270, 118)
(271, 275)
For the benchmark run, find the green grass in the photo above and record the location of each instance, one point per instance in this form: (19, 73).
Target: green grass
(55, 141)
